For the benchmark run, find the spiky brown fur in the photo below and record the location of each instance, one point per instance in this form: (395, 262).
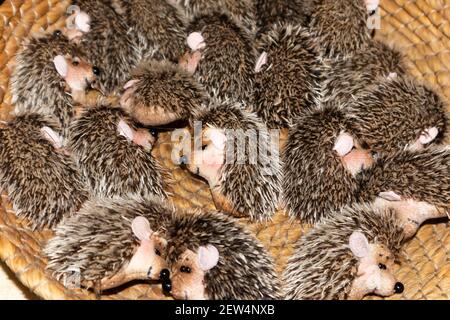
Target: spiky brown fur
(289, 82)
(109, 45)
(252, 188)
(160, 26)
(99, 239)
(243, 11)
(244, 271)
(226, 68)
(346, 78)
(340, 27)
(418, 175)
(165, 85)
(43, 184)
(112, 165)
(36, 86)
(323, 267)
(315, 182)
(393, 114)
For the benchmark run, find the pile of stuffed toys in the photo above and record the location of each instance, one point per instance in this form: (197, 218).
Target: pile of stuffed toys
(364, 162)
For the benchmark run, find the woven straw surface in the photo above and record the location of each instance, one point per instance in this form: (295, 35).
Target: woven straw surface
(420, 29)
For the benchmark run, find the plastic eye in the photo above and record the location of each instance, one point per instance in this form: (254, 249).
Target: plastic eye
(57, 33)
(185, 269)
(75, 63)
(382, 266)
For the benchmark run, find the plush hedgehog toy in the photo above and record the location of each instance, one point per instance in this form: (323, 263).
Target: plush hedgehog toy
(243, 11)
(212, 257)
(234, 152)
(321, 161)
(414, 183)
(161, 93)
(343, 80)
(46, 68)
(341, 26)
(114, 156)
(222, 56)
(348, 256)
(397, 113)
(42, 181)
(103, 35)
(160, 26)
(286, 80)
(111, 242)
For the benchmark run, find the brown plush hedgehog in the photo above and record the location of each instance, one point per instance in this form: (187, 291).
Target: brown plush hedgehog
(42, 182)
(243, 11)
(348, 256)
(397, 113)
(224, 56)
(104, 37)
(212, 257)
(345, 79)
(160, 26)
(44, 68)
(234, 153)
(161, 93)
(414, 183)
(113, 156)
(111, 242)
(341, 26)
(286, 80)
(321, 161)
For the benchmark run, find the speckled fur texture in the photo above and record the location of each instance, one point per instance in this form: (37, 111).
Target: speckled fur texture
(289, 82)
(419, 175)
(340, 27)
(36, 86)
(345, 79)
(109, 45)
(99, 240)
(323, 267)
(270, 12)
(159, 25)
(165, 85)
(315, 182)
(43, 184)
(112, 165)
(243, 11)
(393, 113)
(226, 68)
(245, 270)
(252, 188)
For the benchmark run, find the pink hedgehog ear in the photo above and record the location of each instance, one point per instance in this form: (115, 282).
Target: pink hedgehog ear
(359, 244)
(389, 196)
(196, 41)
(372, 5)
(61, 65)
(428, 135)
(344, 144)
(262, 60)
(54, 138)
(83, 21)
(217, 137)
(125, 130)
(141, 228)
(208, 257)
(130, 84)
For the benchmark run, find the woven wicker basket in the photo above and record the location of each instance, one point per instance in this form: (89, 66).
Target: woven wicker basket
(419, 28)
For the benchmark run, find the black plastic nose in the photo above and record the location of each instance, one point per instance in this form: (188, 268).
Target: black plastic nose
(183, 160)
(167, 286)
(398, 288)
(96, 71)
(164, 274)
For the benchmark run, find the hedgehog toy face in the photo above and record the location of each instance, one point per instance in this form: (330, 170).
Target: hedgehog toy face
(410, 212)
(374, 275)
(208, 161)
(189, 271)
